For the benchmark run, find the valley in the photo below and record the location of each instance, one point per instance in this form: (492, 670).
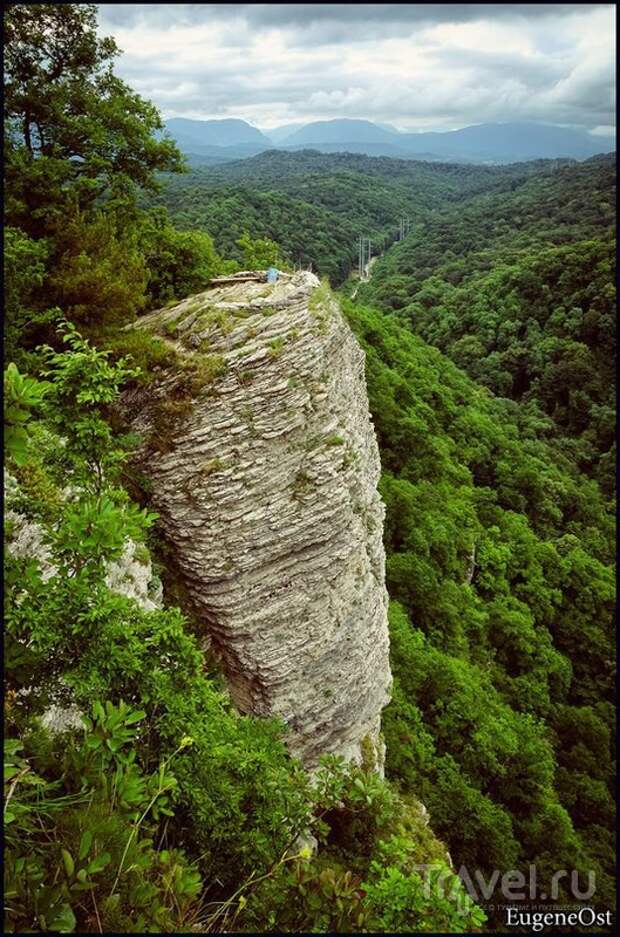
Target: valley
(309, 577)
(508, 272)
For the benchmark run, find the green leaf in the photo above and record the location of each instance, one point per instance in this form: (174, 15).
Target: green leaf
(62, 921)
(67, 858)
(134, 717)
(98, 863)
(85, 844)
(82, 885)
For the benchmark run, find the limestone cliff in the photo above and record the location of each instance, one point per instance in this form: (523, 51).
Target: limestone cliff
(262, 462)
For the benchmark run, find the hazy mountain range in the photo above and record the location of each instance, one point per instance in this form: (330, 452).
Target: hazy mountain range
(207, 141)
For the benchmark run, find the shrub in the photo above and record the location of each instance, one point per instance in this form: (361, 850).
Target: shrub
(81, 819)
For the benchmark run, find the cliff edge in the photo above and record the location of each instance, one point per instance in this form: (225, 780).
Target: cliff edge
(262, 462)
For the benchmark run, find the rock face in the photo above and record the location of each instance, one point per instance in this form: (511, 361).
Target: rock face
(262, 462)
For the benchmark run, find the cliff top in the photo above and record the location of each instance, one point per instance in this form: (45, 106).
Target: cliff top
(221, 303)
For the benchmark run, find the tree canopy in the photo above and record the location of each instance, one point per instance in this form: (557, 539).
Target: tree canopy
(136, 797)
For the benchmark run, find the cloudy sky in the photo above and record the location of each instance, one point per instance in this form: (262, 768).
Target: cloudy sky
(417, 66)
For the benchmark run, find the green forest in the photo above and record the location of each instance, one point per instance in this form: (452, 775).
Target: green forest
(315, 205)
(518, 290)
(499, 568)
(488, 332)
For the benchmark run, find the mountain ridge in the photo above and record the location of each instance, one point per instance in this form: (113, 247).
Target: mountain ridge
(502, 142)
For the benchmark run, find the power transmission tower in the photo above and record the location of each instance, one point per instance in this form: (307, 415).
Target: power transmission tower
(364, 249)
(403, 229)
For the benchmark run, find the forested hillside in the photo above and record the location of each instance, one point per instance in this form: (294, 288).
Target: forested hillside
(491, 523)
(317, 205)
(499, 567)
(518, 289)
(136, 797)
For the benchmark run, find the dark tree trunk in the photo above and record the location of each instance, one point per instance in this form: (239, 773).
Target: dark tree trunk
(27, 138)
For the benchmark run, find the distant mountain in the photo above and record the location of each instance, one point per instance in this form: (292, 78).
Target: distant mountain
(510, 142)
(210, 155)
(195, 135)
(382, 148)
(387, 127)
(353, 131)
(492, 143)
(339, 131)
(278, 134)
(210, 141)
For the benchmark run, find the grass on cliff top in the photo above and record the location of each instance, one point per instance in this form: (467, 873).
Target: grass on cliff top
(320, 298)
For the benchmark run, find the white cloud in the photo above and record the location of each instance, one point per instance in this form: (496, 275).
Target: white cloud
(606, 130)
(430, 66)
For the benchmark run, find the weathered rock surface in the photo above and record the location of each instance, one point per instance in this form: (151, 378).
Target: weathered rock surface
(262, 462)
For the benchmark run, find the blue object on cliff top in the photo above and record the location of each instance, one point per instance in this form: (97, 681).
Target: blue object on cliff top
(272, 275)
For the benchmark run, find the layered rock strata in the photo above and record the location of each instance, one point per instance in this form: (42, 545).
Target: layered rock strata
(262, 462)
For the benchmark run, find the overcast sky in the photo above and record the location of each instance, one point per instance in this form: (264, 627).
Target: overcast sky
(417, 66)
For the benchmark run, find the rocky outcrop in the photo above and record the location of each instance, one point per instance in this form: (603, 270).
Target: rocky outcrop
(262, 462)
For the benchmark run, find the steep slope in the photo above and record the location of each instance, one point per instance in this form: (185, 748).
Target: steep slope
(263, 464)
(518, 289)
(500, 568)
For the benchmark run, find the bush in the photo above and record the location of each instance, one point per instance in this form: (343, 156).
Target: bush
(179, 262)
(80, 819)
